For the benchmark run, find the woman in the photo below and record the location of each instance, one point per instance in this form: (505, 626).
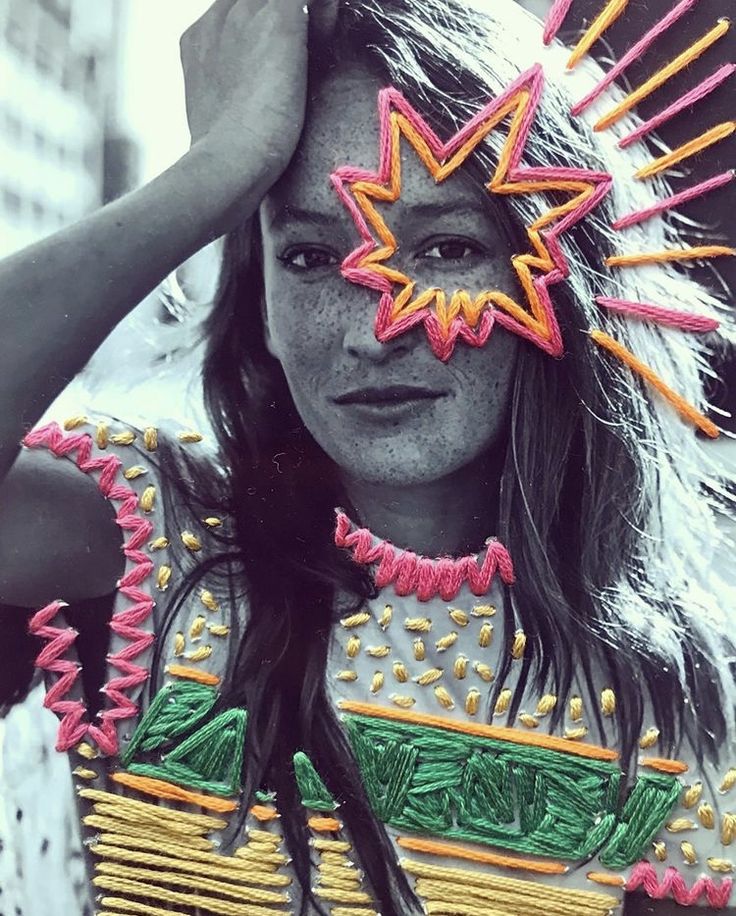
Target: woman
(477, 717)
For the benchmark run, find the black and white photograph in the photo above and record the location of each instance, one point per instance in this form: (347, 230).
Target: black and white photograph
(367, 458)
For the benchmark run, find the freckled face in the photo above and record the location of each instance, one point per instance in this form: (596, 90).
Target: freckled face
(388, 413)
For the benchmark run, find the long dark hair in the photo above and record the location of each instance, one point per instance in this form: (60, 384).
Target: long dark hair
(576, 495)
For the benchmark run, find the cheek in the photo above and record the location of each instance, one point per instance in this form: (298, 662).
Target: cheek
(303, 319)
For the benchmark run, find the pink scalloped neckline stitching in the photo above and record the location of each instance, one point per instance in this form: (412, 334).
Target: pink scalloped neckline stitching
(673, 884)
(74, 725)
(409, 573)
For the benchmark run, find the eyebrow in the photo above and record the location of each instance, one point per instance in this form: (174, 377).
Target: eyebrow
(291, 214)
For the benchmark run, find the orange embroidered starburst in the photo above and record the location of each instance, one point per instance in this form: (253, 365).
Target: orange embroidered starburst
(461, 314)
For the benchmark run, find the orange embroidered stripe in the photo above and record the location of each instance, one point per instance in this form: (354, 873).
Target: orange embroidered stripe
(192, 674)
(160, 789)
(662, 76)
(264, 813)
(682, 406)
(606, 18)
(691, 148)
(498, 732)
(452, 851)
(678, 254)
(324, 824)
(601, 877)
(663, 765)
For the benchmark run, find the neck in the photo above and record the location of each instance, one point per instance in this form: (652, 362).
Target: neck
(453, 515)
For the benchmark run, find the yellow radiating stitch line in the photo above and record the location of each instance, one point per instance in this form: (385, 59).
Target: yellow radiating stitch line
(692, 253)
(163, 895)
(683, 407)
(605, 19)
(127, 834)
(144, 909)
(691, 148)
(133, 809)
(662, 76)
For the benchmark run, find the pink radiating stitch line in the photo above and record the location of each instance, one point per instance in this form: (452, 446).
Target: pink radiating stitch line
(410, 573)
(690, 98)
(344, 177)
(685, 321)
(74, 725)
(640, 216)
(644, 875)
(555, 18)
(641, 46)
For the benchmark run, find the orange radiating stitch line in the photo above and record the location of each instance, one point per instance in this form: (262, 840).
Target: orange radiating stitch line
(662, 76)
(684, 408)
(192, 674)
(601, 877)
(677, 254)
(498, 732)
(453, 851)
(324, 824)
(161, 789)
(691, 148)
(605, 19)
(663, 765)
(264, 813)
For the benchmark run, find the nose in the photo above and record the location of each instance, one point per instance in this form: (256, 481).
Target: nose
(359, 339)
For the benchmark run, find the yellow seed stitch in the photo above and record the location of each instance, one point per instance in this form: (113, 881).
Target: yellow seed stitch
(159, 543)
(385, 619)
(528, 720)
(503, 702)
(460, 668)
(429, 677)
(679, 824)
(190, 436)
(691, 795)
(443, 697)
(649, 738)
(418, 624)
(378, 651)
(74, 423)
(400, 672)
(191, 541)
(124, 438)
(150, 438)
(660, 850)
(179, 644)
(546, 704)
(84, 773)
(486, 635)
(519, 644)
(575, 734)
(346, 676)
(706, 816)
(472, 701)
(212, 521)
(356, 620)
(86, 750)
(458, 617)
(209, 600)
(445, 642)
(403, 702)
(420, 650)
(608, 702)
(218, 629)
(200, 654)
(197, 627)
(576, 708)
(729, 780)
(688, 853)
(483, 610)
(353, 646)
(163, 577)
(148, 498)
(484, 672)
(728, 829)
(377, 682)
(101, 435)
(134, 472)
(724, 866)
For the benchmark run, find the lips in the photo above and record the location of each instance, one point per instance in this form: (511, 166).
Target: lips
(393, 394)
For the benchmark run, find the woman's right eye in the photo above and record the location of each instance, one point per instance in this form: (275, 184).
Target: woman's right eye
(308, 257)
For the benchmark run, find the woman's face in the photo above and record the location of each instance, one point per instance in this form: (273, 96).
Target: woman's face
(389, 413)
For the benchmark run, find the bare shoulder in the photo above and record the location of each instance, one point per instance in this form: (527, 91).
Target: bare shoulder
(58, 536)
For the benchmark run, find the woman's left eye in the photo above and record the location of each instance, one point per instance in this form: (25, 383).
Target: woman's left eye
(450, 250)
(308, 257)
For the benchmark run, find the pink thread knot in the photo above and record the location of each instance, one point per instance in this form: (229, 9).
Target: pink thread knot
(644, 876)
(126, 624)
(410, 573)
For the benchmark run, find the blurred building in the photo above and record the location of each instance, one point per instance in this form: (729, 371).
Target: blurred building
(61, 152)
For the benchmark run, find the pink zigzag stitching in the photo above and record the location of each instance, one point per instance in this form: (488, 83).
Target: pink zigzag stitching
(390, 98)
(411, 573)
(74, 726)
(673, 884)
